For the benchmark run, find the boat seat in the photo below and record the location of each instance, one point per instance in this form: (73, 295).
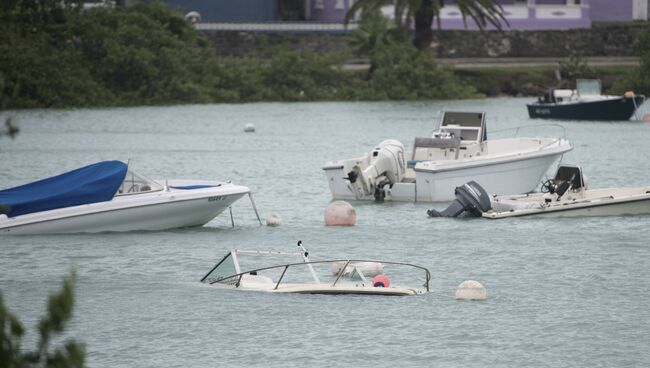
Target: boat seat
(442, 143)
(256, 281)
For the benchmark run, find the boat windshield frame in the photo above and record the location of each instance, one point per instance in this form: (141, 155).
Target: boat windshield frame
(137, 184)
(237, 277)
(588, 87)
(458, 123)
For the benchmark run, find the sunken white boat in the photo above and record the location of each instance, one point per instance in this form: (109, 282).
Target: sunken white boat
(457, 151)
(302, 275)
(108, 196)
(566, 195)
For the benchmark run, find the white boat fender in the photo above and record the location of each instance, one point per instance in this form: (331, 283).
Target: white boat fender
(366, 268)
(273, 220)
(381, 281)
(471, 290)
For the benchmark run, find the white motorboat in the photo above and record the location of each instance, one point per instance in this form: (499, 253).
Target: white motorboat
(108, 196)
(337, 276)
(566, 195)
(457, 152)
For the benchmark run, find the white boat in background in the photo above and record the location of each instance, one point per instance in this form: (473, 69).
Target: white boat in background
(108, 196)
(457, 152)
(300, 275)
(566, 195)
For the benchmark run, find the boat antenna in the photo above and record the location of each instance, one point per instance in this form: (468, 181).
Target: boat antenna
(305, 258)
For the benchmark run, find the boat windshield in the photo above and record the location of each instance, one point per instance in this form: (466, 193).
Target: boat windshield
(225, 268)
(588, 87)
(468, 126)
(135, 183)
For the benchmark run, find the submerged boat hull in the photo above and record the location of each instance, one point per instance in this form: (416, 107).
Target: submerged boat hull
(621, 108)
(161, 211)
(346, 290)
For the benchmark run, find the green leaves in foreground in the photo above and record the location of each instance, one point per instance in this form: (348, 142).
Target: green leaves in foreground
(59, 312)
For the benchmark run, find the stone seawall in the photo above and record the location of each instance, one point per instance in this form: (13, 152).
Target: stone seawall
(605, 40)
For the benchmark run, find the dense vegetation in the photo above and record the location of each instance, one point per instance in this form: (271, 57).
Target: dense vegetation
(55, 54)
(638, 79)
(59, 311)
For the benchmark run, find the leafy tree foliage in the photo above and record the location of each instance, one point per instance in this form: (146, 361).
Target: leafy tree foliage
(421, 13)
(59, 311)
(638, 79)
(54, 54)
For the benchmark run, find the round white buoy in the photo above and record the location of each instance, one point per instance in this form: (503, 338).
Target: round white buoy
(646, 118)
(471, 290)
(273, 220)
(249, 128)
(340, 213)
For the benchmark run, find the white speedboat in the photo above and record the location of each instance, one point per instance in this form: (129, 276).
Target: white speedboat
(108, 196)
(457, 152)
(566, 195)
(300, 275)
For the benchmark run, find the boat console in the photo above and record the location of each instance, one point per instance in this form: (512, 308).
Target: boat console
(567, 177)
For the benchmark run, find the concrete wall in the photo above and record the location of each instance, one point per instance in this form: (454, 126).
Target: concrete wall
(614, 40)
(229, 10)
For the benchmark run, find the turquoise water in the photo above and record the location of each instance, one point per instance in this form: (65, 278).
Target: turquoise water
(561, 292)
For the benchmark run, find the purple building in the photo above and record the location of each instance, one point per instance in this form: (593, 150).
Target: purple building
(521, 14)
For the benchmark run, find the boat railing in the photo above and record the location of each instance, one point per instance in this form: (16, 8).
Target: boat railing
(285, 267)
(522, 127)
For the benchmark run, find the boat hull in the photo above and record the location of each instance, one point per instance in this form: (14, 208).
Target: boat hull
(512, 176)
(606, 207)
(166, 213)
(431, 185)
(621, 108)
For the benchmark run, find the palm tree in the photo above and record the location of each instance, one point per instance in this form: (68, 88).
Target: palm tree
(423, 12)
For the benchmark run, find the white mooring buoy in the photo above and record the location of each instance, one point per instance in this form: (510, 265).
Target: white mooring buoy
(471, 290)
(249, 127)
(340, 213)
(273, 220)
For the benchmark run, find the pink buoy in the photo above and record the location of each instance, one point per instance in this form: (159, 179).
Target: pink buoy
(381, 281)
(340, 213)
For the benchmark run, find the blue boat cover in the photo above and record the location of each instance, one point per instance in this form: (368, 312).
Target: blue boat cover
(90, 184)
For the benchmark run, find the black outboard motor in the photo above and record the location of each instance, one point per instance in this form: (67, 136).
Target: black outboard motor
(471, 201)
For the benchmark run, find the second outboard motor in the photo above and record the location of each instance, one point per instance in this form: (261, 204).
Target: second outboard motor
(471, 201)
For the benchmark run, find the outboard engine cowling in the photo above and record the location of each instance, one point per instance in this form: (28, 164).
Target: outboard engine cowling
(386, 166)
(471, 201)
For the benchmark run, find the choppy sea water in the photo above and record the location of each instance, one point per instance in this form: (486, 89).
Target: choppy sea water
(561, 292)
